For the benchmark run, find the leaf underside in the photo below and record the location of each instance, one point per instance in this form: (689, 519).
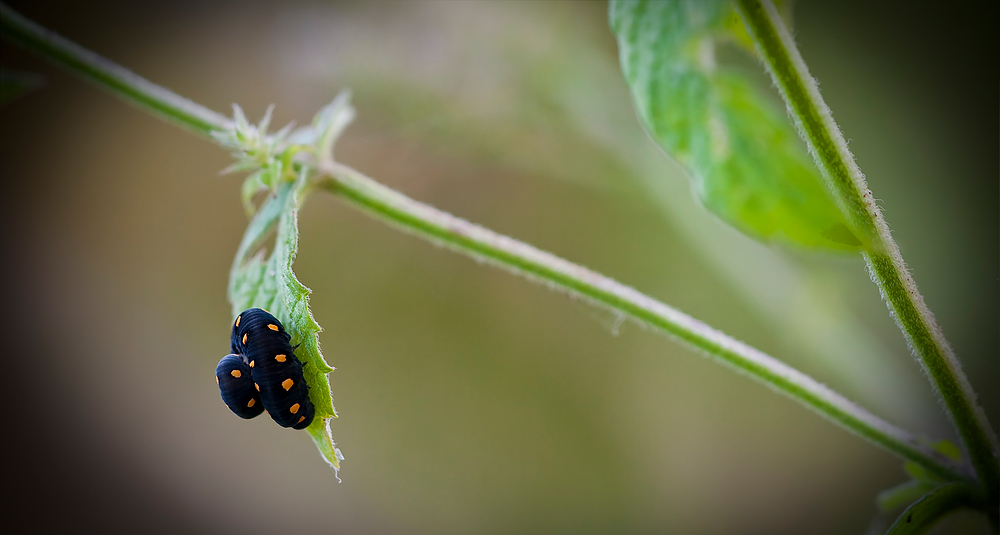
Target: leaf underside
(747, 164)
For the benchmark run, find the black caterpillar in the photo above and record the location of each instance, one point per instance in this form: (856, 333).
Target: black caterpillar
(262, 373)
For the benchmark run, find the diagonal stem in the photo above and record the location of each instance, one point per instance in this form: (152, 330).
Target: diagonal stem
(108, 75)
(844, 179)
(521, 258)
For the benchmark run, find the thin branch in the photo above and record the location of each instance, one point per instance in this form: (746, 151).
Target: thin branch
(523, 259)
(108, 75)
(885, 263)
(518, 257)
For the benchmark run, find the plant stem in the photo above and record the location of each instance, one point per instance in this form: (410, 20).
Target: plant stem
(885, 263)
(521, 258)
(108, 75)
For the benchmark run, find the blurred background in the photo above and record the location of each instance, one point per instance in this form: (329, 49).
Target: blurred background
(472, 401)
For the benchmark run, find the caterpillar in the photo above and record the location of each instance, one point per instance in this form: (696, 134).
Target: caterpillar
(238, 392)
(262, 353)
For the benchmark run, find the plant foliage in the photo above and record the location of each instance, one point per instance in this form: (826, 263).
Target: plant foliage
(282, 165)
(746, 162)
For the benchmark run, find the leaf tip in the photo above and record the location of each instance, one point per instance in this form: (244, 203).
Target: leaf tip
(319, 430)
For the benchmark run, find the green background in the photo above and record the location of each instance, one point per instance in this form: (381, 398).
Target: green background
(471, 401)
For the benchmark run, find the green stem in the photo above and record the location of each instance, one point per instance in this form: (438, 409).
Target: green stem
(108, 75)
(503, 251)
(523, 259)
(933, 506)
(844, 179)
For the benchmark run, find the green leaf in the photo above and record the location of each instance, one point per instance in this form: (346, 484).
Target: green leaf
(891, 499)
(268, 282)
(252, 185)
(919, 473)
(272, 285)
(282, 163)
(746, 162)
(15, 84)
(922, 482)
(930, 508)
(329, 123)
(948, 449)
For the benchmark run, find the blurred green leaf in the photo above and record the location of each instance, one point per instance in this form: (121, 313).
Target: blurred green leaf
(922, 482)
(918, 473)
(904, 494)
(747, 163)
(948, 449)
(930, 508)
(15, 84)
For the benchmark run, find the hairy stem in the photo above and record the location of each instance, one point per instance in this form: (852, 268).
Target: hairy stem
(844, 179)
(523, 259)
(478, 242)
